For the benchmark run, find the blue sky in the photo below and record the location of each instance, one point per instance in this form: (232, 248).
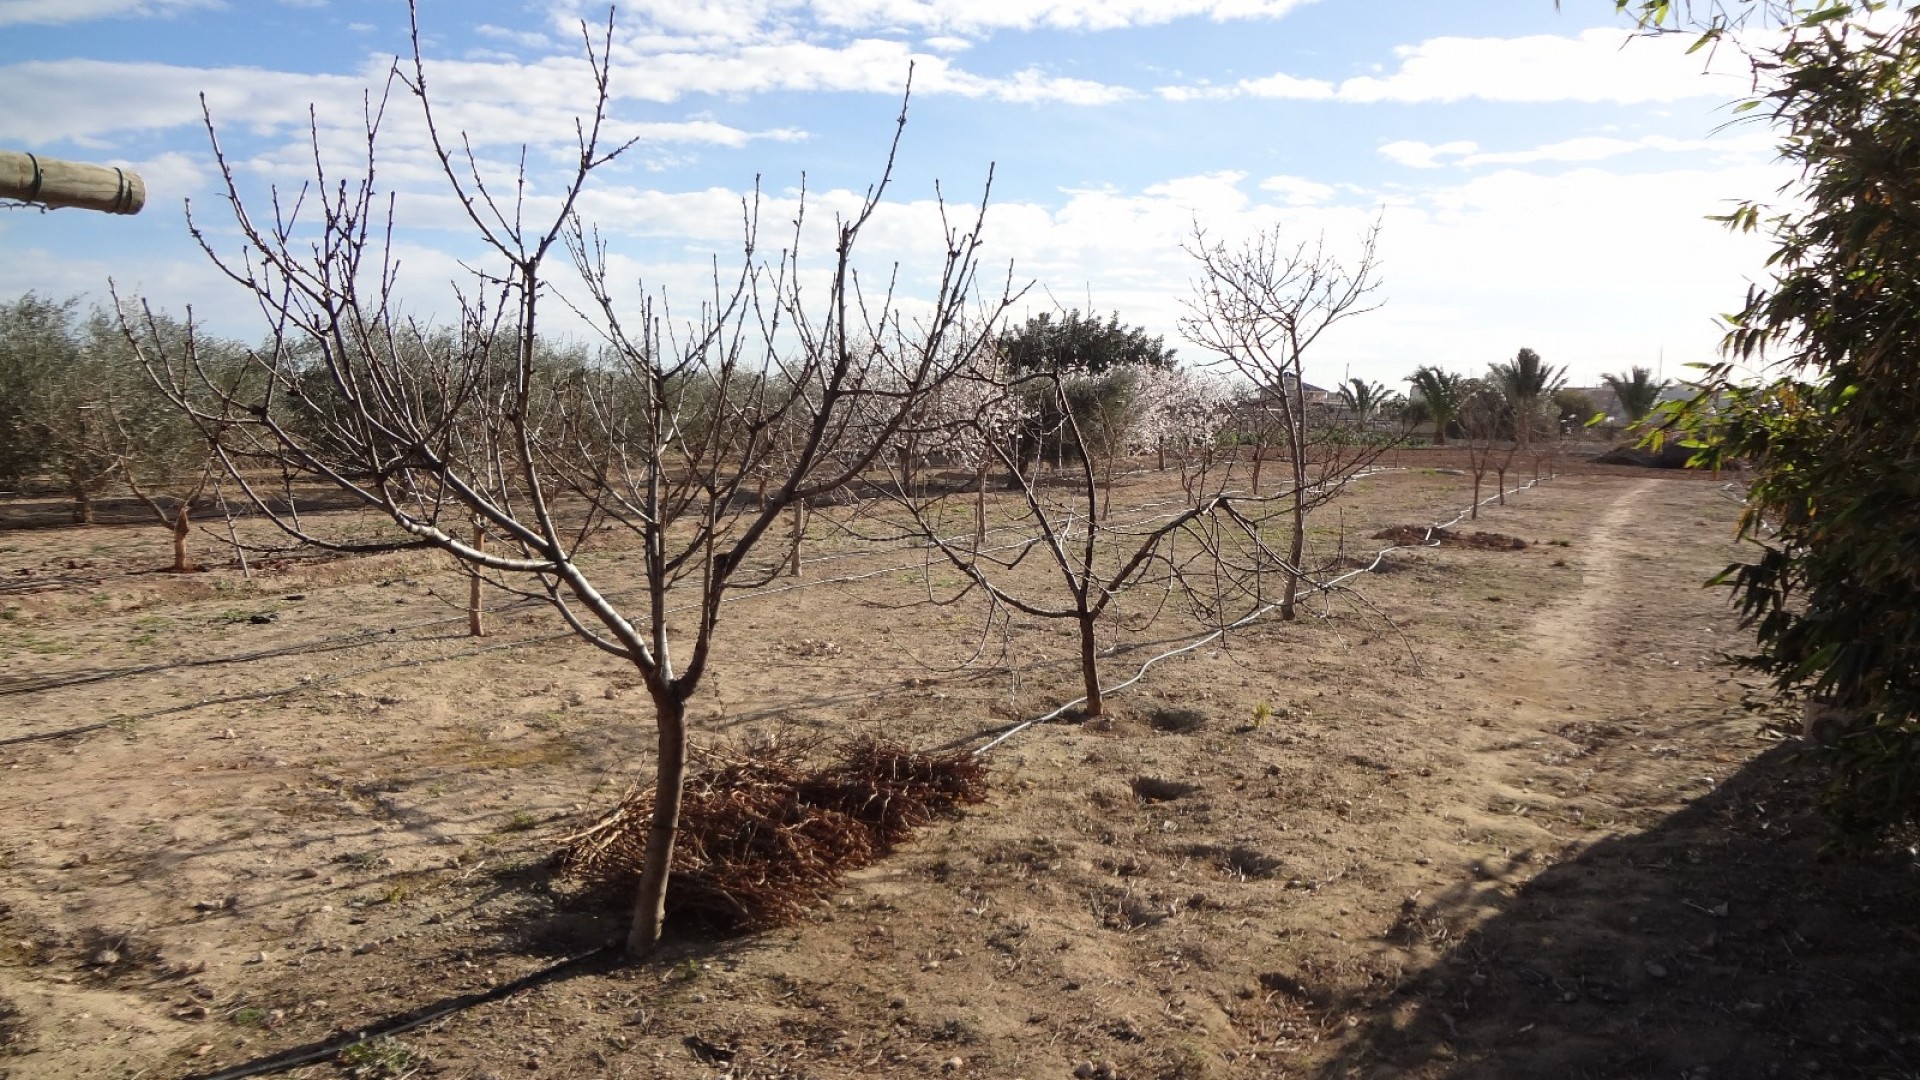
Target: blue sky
(1537, 183)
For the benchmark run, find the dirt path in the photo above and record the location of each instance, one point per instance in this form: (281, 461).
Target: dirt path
(1649, 900)
(1563, 634)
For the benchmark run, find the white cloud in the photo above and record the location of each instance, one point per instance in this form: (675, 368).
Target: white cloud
(1589, 148)
(531, 39)
(873, 65)
(1270, 86)
(1597, 65)
(66, 11)
(982, 16)
(1472, 270)
(756, 20)
(496, 103)
(1420, 155)
(1295, 191)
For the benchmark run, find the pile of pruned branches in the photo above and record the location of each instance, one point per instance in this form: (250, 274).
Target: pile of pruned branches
(763, 837)
(1427, 536)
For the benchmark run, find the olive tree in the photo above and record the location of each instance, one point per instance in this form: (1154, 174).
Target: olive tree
(53, 419)
(657, 446)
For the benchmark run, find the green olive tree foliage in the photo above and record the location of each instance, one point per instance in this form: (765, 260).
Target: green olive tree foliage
(1833, 436)
(1082, 342)
(53, 387)
(1089, 356)
(76, 407)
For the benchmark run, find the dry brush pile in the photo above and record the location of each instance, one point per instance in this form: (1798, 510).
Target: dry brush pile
(763, 837)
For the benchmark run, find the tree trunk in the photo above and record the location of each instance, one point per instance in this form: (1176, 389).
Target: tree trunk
(980, 508)
(799, 534)
(233, 534)
(650, 902)
(1090, 673)
(476, 624)
(1501, 474)
(1475, 513)
(1439, 433)
(1297, 548)
(82, 504)
(1106, 491)
(1259, 456)
(181, 525)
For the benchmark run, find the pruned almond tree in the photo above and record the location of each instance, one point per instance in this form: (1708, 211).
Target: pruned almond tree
(1260, 307)
(658, 445)
(1488, 421)
(1074, 559)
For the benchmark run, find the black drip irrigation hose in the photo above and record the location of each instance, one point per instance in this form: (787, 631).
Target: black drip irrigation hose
(314, 1053)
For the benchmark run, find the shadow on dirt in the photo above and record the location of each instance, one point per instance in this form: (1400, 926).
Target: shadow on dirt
(597, 960)
(1718, 943)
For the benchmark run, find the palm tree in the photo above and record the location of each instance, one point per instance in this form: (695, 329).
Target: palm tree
(1363, 399)
(1441, 391)
(1638, 393)
(1526, 382)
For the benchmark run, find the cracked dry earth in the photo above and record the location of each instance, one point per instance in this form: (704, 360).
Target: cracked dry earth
(1524, 828)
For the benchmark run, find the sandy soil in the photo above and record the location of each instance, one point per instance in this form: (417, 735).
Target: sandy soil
(1527, 827)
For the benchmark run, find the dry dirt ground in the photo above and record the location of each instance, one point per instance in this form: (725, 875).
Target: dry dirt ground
(1524, 829)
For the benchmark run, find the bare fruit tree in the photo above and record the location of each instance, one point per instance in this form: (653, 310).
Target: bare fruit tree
(1073, 559)
(1488, 421)
(1260, 307)
(629, 474)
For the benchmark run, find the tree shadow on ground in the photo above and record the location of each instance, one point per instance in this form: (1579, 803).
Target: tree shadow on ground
(1722, 942)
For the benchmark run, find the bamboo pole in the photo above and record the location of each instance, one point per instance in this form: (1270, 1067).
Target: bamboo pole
(50, 182)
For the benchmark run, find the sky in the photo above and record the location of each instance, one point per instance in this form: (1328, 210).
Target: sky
(1539, 180)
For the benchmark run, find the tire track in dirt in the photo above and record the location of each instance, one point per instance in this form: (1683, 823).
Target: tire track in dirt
(1566, 635)
(1549, 750)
